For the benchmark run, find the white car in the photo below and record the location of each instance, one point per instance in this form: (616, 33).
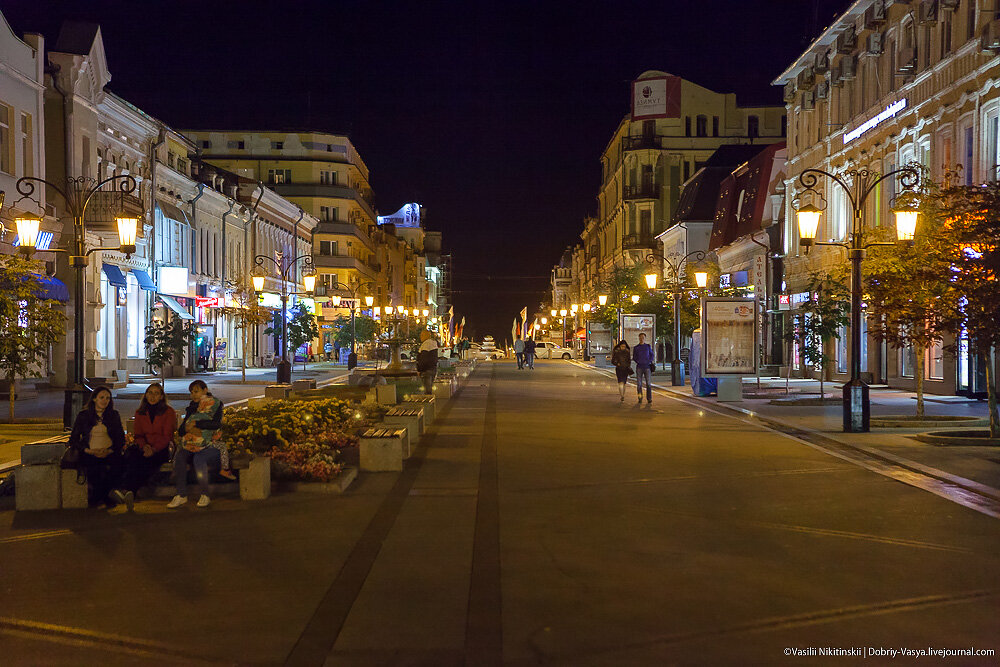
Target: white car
(549, 350)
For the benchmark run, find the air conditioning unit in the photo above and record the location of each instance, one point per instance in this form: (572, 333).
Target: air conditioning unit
(950, 5)
(876, 44)
(806, 79)
(848, 68)
(823, 90)
(906, 62)
(875, 16)
(822, 62)
(790, 91)
(847, 41)
(928, 11)
(808, 101)
(835, 75)
(990, 41)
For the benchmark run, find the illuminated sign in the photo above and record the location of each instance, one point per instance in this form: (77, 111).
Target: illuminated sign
(208, 301)
(656, 98)
(42, 243)
(270, 300)
(173, 280)
(870, 124)
(724, 280)
(784, 302)
(407, 216)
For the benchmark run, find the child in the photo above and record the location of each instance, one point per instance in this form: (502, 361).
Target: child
(208, 405)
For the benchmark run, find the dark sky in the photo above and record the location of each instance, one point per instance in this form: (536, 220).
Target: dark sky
(493, 115)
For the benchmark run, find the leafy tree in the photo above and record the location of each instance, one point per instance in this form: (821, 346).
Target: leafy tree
(822, 317)
(248, 314)
(302, 327)
(367, 329)
(971, 223)
(909, 292)
(166, 341)
(29, 322)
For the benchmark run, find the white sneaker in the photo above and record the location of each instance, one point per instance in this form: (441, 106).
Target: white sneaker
(203, 501)
(176, 502)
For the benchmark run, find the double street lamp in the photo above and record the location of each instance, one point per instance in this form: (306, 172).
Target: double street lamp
(856, 403)
(352, 358)
(284, 373)
(77, 197)
(676, 287)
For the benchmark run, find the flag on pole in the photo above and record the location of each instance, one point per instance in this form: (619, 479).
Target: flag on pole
(524, 322)
(534, 324)
(460, 328)
(513, 331)
(451, 324)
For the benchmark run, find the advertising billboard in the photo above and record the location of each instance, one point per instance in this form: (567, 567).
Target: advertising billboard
(729, 328)
(658, 97)
(632, 325)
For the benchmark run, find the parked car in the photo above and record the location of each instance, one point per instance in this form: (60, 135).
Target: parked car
(550, 350)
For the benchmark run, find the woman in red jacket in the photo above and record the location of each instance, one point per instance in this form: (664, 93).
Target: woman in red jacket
(155, 423)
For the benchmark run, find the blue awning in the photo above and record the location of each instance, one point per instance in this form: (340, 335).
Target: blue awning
(145, 282)
(114, 274)
(52, 288)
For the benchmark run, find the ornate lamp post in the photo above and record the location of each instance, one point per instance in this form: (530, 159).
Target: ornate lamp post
(77, 196)
(352, 358)
(676, 287)
(284, 373)
(857, 406)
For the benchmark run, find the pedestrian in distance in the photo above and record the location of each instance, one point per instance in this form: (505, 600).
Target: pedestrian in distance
(642, 354)
(99, 438)
(328, 349)
(199, 445)
(621, 358)
(427, 360)
(529, 353)
(153, 433)
(519, 352)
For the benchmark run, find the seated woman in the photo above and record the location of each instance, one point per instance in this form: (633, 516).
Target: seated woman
(155, 423)
(199, 445)
(99, 436)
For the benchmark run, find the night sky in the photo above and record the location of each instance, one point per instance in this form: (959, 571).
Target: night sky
(492, 115)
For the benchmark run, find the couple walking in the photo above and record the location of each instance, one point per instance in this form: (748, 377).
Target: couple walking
(622, 358)
(524, 351)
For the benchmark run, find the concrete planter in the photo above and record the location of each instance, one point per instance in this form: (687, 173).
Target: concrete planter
(255, 480)
(36, 487)
(383, 449)
(339, 484)
(972, 437)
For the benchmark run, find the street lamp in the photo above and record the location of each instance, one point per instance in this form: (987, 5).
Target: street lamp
(676, 287)
(77, 197)
(856, 402)
(284, 372)
(352, 358)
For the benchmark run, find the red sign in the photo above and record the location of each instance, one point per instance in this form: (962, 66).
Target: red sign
(208, 301)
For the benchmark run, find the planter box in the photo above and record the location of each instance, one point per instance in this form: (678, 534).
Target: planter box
(411, 418)
(303, 385)
(443, 389)
(255, 480)
(383, 449)
(36, 487)
(277, 391)
(72, 495)
(424, 402)
(42, 452)
(385, 394)
(337, 485)
(257, 402)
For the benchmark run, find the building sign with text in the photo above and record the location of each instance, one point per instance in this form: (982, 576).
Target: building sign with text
(658, 97)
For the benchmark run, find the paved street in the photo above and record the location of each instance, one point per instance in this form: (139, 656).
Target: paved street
(541, 522)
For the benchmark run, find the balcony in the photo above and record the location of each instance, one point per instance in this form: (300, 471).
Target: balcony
(644, 191)
(642, 142)
(322, 190)
(345, 229)
(342, 262)
(638, 242)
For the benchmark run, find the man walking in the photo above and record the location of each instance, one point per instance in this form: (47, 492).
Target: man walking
(427, 360)
(529, 353)
(642, 355)
(519, 352)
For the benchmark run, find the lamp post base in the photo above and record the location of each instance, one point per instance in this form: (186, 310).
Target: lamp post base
(677, 373)
(73, 400)
(284, 372)
(352, 361)
(857, 407)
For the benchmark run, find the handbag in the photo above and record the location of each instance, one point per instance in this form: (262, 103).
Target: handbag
(631, 371)
(70, 459)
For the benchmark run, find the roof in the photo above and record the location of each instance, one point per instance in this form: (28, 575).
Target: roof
(700, 194)
(733, 218)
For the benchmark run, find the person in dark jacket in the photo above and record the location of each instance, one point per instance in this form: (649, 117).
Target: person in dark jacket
(202, 452)
(427, 360)
(99, 436)
(621, 357)
(153, 433)
(645, 362)
(529, 352)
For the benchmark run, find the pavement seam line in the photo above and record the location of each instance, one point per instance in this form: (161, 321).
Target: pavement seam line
(484, 621)
(319, 637)
(970, 493)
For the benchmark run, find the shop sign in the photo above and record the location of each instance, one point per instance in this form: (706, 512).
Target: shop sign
(173, 280)
(270, 300)
(741, 279)
(725, 280)
(122, 296)
(784, 302)
(208, 301)
(889, 112)
(799, 299)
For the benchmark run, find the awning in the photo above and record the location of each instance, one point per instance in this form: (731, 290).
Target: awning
(171, 303)
(145, 282)
(52, 288)
(114, 274)
(172, 212)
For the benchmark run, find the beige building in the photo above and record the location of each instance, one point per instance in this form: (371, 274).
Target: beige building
(886, 85)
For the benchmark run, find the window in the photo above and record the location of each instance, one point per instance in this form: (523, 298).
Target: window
(182, 166)
(968, 155)
(841, 342)
(329, 148)
(206, 144)
(970, 19)
(687, 126)
(753, 127)
(171, 158)
(279, 176)
(27, 150)
(715, 126)
(238, 145)
(991, 151)
(784, 126)
(106, 319)
(702, 126)
(687, 170)
(6, 140)
(926, 50)
(328, 177)
(935, 361)
(277, 145)
(134, 317)
(907, 362)
(945, 34)
(325, 248)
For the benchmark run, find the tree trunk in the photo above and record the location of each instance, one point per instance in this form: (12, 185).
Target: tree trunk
(991, 393)
(243, 339)
(11, 397)
(919, 376)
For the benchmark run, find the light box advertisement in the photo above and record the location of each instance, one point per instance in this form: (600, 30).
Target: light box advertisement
(730, 336)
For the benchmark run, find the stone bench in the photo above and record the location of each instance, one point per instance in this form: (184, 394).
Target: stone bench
(426, 402)
(303, 385)
(383, 449)
(411, 418)
(444, 388)
(277, 391)
(40, 484)
(383, 394)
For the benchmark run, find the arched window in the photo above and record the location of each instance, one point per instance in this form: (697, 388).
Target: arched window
(702, 126)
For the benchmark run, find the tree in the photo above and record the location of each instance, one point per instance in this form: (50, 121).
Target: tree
(166, 342)
(365, 327)
(971, 223)
(302, 327)
(248, 314)
(29, 322)
(822, 317)
(909, 292)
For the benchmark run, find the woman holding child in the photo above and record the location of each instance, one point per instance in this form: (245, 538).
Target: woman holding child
(200, 444)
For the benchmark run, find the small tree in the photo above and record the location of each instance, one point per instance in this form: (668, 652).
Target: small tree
(823, 315)
(166, 342)
(971, 221)
(29, 322)
(248, 314)
(302, 328)
(367, 329)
